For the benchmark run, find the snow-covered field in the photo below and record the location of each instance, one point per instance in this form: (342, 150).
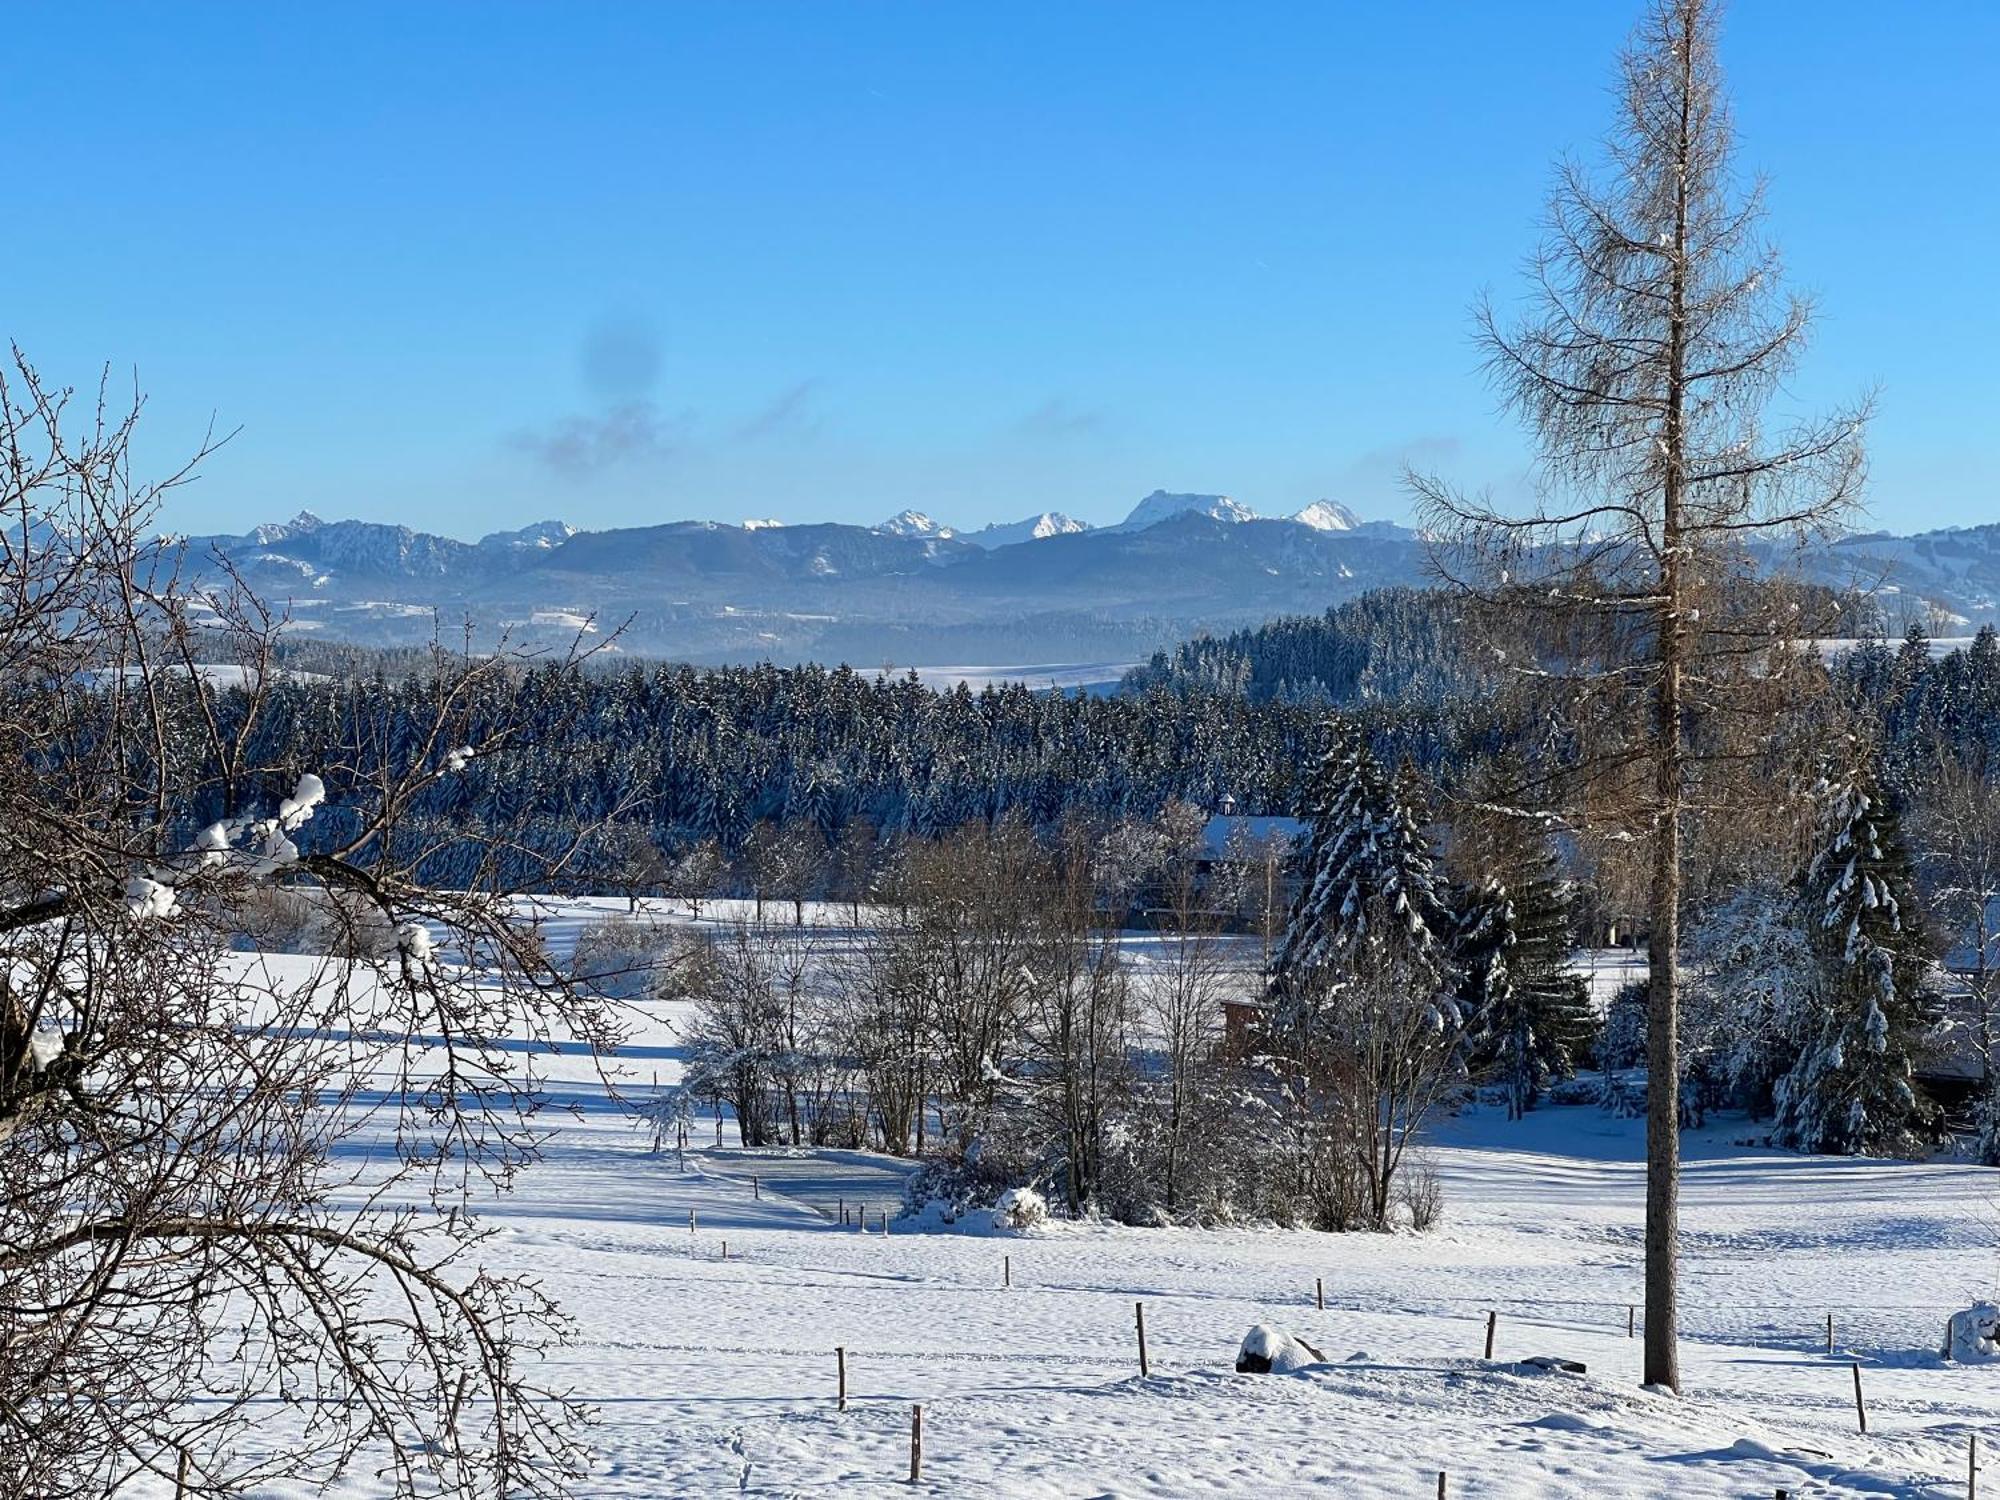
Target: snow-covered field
(717, 1376)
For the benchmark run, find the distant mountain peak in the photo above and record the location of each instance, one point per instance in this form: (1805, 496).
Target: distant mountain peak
(762, 523)
(1327, 515)
(302, 524)
(1163, 505)
(541, 535)
(913, 523)
(1033, 529)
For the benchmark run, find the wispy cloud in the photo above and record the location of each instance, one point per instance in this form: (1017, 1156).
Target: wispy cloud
(585, 444)
(789, 414)
(1058, 417)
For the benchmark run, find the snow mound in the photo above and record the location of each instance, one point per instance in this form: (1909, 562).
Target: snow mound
(1269, 1350)
(1974, 1336)
(1020, 1208)
(1749, 1447)
(1566, 1421)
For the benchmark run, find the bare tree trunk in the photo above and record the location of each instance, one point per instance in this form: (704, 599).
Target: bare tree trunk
(1663, 1122)
(1663, 1119)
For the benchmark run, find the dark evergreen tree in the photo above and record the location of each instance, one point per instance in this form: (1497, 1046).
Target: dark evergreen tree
(1852, 1090)
(1528, 1017)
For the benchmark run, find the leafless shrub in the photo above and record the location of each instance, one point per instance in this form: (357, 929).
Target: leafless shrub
(1421, 1192)
(627, 957)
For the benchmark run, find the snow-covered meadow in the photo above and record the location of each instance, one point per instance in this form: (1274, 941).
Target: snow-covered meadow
(714, 1375)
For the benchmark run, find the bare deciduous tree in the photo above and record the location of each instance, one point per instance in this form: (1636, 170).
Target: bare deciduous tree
(193, 1270)
(1657, 338)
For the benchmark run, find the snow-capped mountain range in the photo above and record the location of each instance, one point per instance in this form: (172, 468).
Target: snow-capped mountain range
(915, 591)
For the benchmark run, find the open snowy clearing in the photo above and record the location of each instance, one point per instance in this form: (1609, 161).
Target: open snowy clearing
(717, 1376)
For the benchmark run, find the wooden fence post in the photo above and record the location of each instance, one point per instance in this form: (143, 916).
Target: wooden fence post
(690, 1221)
(1140, 1309)
(1006, 1270)
(916, 1443)
(1440, 1484)
(1972, 1466)
(1631, 1320)
(1860, 1411)
(1492, 1321)
(1319, 1292)
(840, 1359)
(755, 1191)
(1829, 1333)
(181, 1475)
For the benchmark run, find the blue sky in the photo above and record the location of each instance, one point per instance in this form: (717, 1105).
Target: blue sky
(467, 266)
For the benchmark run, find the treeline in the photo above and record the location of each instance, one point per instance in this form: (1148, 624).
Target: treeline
(681, 757)
(687, 756)
(1400, 645)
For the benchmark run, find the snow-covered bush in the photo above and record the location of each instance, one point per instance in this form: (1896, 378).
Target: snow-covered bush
(1020, 1208)
(310, 919)
(624, 957)
(1585, 1088)
(951, 1189)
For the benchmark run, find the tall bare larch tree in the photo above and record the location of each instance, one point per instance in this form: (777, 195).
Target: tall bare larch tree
(1656, 337)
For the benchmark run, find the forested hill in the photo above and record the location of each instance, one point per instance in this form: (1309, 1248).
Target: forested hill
(1396, 645)
(1390, 645)
(691, 753)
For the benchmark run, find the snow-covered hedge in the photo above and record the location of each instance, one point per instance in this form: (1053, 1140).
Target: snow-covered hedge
(972, 1195)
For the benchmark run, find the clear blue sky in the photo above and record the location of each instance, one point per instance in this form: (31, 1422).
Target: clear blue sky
(470, 265)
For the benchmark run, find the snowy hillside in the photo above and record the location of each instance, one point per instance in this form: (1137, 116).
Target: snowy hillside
(717, 1375)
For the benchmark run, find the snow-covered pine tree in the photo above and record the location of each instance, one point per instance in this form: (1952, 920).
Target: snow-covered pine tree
(1360, 983)
(1852, 1090)
(1528, 1016)
(1367, 864)
(1529, 1019)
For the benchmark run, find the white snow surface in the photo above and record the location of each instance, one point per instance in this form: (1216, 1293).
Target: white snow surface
(716, 1376)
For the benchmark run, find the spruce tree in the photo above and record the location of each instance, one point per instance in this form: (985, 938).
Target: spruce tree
(1360, 981)
(1529, 1017)
(1369, 875)
(1852, 1089)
